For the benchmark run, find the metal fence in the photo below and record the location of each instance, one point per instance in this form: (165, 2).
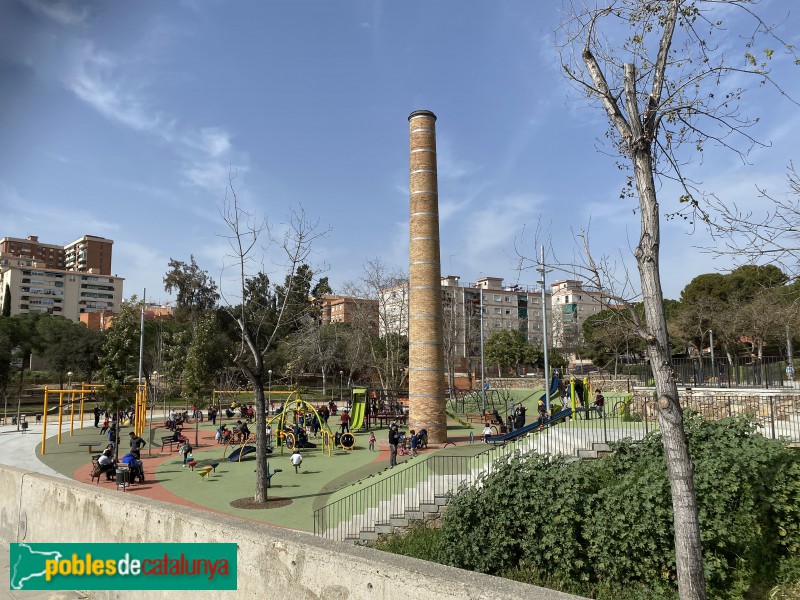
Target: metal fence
(416, 487)
(769, 372)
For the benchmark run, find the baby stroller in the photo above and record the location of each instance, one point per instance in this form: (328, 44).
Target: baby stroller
(422, 439)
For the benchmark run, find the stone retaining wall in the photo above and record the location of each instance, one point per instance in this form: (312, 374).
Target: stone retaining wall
(273, 562)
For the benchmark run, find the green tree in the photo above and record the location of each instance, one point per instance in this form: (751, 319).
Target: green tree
(195, 290)
(201, 362)
(609, 336)
(59, 338)
(87, 350)
(509, 348)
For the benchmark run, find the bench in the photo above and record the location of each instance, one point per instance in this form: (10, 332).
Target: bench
(90, 445)
(168, 440)
(389, 418)
(480, 418)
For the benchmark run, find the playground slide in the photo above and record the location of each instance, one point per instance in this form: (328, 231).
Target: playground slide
(357, 412)
(234, 457)
(507, 437)
(553, 388)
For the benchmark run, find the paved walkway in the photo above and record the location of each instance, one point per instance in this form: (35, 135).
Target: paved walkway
(19, 450)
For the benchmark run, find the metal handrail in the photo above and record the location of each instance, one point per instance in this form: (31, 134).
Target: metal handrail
(430, 479)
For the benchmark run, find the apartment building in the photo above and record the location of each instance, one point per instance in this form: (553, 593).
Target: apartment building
(66, 280)
(573, 303)
(346, 309)
(50, 255)
(35, 288)
(89, 253)
(513, 307)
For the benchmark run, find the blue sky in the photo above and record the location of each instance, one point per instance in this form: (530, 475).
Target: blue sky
(124, 119)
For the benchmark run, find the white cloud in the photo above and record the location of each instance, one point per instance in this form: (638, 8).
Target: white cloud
(95, 80)
(206, 154)
(61, 12)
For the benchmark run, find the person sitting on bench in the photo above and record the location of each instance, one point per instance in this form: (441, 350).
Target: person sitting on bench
(134, 462)
(178, 436)
(106, 462)
(242, 431)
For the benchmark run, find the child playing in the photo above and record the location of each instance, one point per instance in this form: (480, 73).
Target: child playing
(372, 441)
(186, 450)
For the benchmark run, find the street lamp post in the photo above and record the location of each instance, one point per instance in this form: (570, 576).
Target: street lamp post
(711, 342)
(483, 357)
(152, 407)
(269, 390)
(543, 271)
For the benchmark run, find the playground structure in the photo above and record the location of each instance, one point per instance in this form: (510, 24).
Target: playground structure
(90, 389)
(287, 434)
(244, 447)
(380, 405)
(289, 422)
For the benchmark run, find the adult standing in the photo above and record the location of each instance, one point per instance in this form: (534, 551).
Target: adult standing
(97, 416)
(599, 402)
(137, 443)
(393, 445)
(345, 419)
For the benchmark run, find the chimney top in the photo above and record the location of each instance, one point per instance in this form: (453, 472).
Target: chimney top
(421, 113)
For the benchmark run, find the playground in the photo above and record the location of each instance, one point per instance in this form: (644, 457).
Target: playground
(329, 469)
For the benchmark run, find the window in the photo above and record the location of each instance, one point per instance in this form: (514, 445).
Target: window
(497, 311)
(497, 298)
(508, 298)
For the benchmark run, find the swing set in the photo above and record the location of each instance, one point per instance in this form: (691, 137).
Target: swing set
(89, 389)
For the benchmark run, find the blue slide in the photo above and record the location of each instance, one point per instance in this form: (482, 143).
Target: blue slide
(512, 435)
(554, 383)
(243, 451)
(507, 437)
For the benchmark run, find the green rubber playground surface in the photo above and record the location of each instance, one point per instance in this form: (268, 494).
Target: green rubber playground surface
(321, 478)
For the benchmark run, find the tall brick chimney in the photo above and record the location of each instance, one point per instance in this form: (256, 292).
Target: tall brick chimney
(426, 352)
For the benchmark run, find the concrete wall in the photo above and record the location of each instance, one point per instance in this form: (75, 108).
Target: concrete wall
(273, 562)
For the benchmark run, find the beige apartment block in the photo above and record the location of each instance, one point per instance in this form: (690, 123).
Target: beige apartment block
(516, 307)
(36, 288)
(573, 303)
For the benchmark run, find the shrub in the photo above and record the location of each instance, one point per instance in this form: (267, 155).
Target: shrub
(604, 528)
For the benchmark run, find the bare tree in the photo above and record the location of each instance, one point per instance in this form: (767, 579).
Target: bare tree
(388, 346)
(770, 234)
(658, 71)
(259, 314)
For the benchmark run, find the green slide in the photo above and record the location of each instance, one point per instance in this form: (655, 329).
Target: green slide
(358, 409)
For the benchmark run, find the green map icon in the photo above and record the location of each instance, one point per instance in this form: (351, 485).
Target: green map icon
(28, 565)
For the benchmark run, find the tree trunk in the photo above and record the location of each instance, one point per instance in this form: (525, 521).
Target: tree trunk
(261, 441)
(688, 548)
(256, 377)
